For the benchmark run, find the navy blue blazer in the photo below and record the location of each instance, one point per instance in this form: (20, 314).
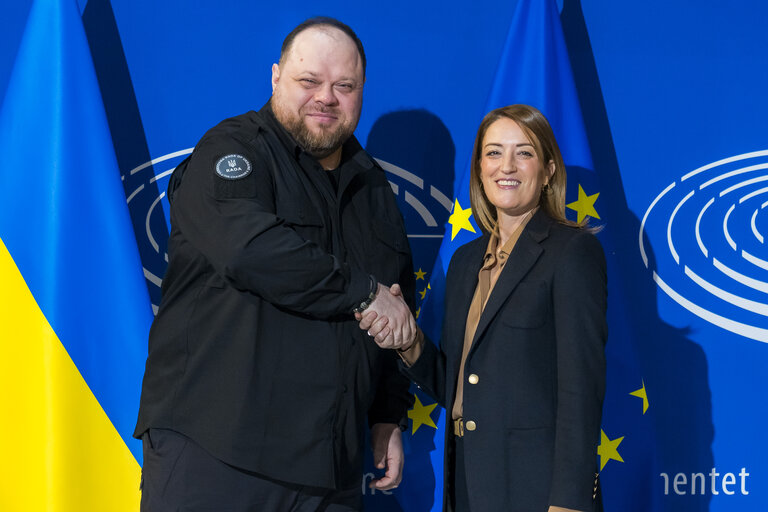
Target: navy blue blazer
(535, 372)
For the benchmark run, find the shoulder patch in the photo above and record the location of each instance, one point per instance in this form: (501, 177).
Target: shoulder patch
(233, 167)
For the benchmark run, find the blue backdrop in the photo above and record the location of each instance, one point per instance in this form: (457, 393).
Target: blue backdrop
(673, 99)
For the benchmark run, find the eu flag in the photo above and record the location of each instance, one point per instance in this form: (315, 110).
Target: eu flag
(74, 307)
(535, 69)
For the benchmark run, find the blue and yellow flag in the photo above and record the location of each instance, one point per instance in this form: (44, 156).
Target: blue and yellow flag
(74, 307)
(535, 69)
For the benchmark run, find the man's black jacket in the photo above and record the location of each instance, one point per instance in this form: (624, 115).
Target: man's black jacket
(254, 353)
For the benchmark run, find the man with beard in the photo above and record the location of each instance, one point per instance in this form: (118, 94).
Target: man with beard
(259, 383)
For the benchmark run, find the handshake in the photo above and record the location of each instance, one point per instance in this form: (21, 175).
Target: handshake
(388, 319)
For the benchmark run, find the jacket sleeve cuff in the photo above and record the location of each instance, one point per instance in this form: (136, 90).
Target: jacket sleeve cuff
(410, 355)
(361, 286)
(393, 397)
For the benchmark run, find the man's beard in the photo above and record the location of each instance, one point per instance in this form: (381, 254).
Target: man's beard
(318, 144)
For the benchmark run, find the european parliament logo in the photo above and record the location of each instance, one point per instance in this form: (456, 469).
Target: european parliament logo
(419, 197)
(706, 232)
(145, 187)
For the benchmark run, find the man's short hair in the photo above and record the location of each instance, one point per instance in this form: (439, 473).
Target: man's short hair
(322, 21)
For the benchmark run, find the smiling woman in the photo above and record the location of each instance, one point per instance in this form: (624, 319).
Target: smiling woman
(528, 137)
(521, 364)
(511, 173)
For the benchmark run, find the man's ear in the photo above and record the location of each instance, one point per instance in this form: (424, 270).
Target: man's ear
(275, 76)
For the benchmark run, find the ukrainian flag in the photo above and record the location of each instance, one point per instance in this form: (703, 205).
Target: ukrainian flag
(74, 307)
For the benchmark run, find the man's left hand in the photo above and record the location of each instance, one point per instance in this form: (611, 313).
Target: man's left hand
(387, 447)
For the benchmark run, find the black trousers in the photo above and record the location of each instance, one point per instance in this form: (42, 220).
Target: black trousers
(179, 476)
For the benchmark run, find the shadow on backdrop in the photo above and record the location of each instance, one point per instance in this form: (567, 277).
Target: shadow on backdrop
(419, 143)
(673, 367)
(128, 135)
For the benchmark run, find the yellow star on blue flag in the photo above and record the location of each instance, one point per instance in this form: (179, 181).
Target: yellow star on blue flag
(421, 415)
(584, 206)
(641, 393)
(608, 449)
(459, 220)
